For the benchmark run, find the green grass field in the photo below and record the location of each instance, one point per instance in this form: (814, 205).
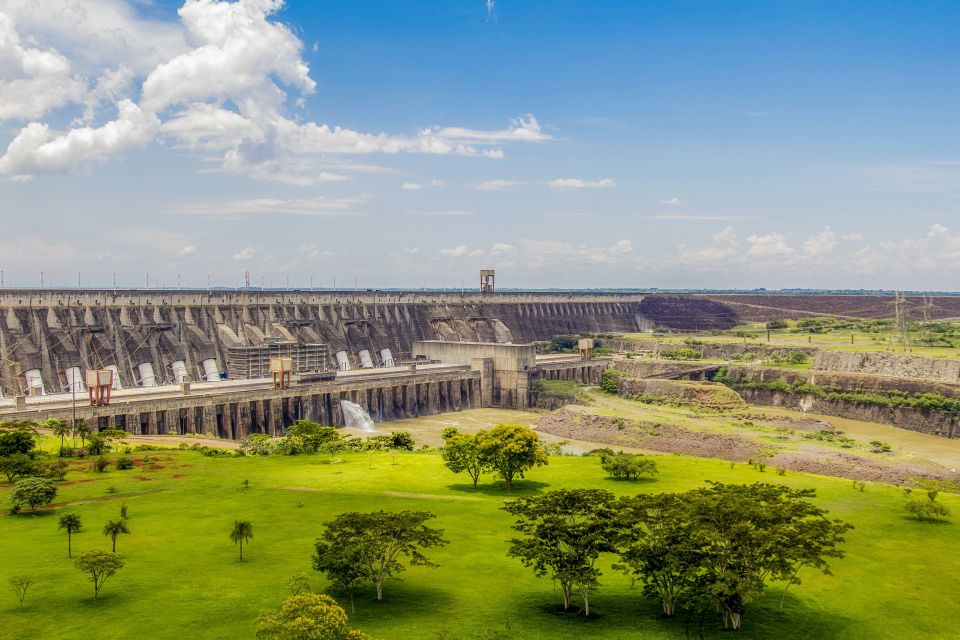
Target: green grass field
(183, 578)
(840, 339)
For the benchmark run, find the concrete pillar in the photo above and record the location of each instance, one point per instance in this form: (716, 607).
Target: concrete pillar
(433, 391)
(387, 404)
(275, 417)
(485, 367)
(456, 393)
(410, 401)
(243, 426)
(209, 419)
(152, 423)
(131, 422)
(227, 420)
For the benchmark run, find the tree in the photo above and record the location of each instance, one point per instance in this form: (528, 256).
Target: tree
(33, 492)
(60, 429)
(71, 523)
(20, 584)
(82, 430)
(18, 436)
(377, 542)
(746, 534)
(565, 532)
(99, 565)
(18, 465)
(462, 455)
(927, 510)
(307, 616)
(313, 437)
(345, 568)
(242, 532)
(114, 528)
(510, 450)
(628, 466)
(655, 547)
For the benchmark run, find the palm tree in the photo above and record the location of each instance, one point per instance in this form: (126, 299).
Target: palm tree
(70, 522)
(81, 429)
(242, 532)
(115, 528)
(60, 428)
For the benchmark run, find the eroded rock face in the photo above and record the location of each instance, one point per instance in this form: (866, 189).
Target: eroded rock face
(705, 395)
(889, 364)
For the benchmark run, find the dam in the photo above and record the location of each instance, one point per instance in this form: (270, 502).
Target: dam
(152, 337)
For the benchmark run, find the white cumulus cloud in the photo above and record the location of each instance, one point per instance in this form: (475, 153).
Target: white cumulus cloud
(578, 183)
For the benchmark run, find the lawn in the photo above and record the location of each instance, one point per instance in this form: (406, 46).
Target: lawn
(183, 578)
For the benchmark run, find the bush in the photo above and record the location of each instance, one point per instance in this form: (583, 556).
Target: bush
(56, 470)
(777, 324)
(609, 383)
(680, 354)
(100, 464)
(926, 510)
(32, 492)
(97, 445)
(628, 466)
(124, 463)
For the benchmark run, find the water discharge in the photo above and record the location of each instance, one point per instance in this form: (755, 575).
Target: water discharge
(355, 417)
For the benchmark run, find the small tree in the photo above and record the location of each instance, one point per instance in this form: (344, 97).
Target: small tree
(20, 584)
(71, 523)
(462, 455)
(565, 532)
(298, 583)
(628, 466)
(81, 430)
(242, 532)
(345, 568)
(376, 542)
(18, 436)
(928, 510)
(98, 565)
(510, 450)
(18, 465)
(307, 616)
(33, 492)
(115, 528)
(60, 429)
(655, 547)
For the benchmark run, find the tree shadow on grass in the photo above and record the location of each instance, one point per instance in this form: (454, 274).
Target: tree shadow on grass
(401, 601)
(644, 617)
(521, 488)
(629, 481)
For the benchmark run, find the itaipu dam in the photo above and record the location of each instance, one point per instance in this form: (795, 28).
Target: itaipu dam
(199, 361)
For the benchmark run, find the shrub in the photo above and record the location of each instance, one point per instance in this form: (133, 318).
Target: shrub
(628, 466)
(124, 463)
(100, 464)
(56, 470)
(926, 510)
(609, 383)
(680, 354)
(32, 492)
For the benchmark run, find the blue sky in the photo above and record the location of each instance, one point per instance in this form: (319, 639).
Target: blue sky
(566, 144)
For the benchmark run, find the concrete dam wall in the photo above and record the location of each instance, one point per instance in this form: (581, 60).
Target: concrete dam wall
(152, 337)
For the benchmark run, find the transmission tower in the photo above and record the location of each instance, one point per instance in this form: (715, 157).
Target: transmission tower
(902, 324)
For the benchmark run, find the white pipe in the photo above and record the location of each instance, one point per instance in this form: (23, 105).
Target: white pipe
(387, 357)
(210, 370)
(116, 377)
(147, 377)
(179, 371)
(365, 360)
(343, 362)
(74, 380)
(34, 382)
